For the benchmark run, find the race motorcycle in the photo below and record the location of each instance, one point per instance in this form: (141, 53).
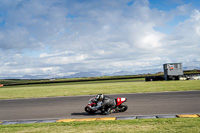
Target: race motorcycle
(121, 105)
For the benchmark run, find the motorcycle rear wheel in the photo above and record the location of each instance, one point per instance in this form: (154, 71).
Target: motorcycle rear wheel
(123, 107)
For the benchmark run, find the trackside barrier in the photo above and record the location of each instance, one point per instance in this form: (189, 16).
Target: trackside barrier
(101, 119)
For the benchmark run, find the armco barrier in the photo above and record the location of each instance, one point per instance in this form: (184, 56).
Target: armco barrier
(101, 119)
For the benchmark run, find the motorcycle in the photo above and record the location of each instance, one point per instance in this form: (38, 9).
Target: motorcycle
(121, 106)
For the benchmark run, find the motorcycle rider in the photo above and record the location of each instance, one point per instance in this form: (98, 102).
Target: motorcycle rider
(104, 103)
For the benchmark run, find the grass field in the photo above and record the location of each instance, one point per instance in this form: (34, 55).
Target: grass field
(95, 87)
(183, 125)
(173, 125)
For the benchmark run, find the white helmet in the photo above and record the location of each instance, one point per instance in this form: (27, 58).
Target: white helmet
(99, 97)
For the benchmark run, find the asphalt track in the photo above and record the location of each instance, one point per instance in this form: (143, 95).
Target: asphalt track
(73, 107)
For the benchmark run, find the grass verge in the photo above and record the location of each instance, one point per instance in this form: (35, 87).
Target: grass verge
(173, 125)
(92, 88)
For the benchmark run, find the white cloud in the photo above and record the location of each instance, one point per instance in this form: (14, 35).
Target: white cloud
(106, 36)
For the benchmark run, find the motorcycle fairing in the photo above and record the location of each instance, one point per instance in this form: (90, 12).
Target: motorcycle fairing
(120, 100)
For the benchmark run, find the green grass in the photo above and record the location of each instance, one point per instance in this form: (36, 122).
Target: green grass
(94, 87)
(184, 125)
(173, 125)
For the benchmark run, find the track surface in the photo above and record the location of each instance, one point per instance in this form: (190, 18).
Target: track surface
(73, 107)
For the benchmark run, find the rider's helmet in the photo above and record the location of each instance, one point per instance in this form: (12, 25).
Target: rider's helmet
(99, 97)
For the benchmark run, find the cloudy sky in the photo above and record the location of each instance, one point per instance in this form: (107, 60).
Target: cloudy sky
(53, 38)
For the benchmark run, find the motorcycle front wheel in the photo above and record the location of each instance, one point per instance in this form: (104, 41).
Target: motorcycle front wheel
(88, 110)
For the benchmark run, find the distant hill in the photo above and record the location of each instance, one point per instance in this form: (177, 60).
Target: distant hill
(98, 74)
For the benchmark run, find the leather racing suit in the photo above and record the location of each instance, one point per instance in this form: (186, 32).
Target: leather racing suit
(106, 105)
